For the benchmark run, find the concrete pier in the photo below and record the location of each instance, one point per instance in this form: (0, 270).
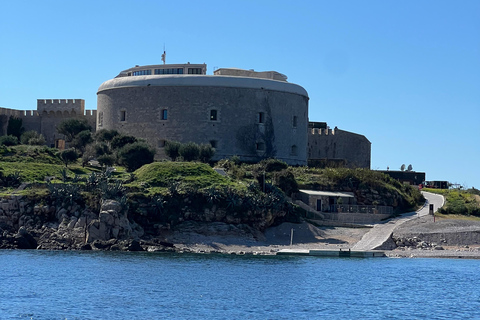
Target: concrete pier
(332, 253)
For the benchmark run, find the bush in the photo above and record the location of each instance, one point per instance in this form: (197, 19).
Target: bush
(285, 180)
(189, 151)
(106, 160)
(120, 141)
(172, 149)
(82, 139)
(28, 135)
(8, 140)
(69, 156)
(271, 165)
(206, 152)
(135, 155)
(72, 127)
(105, 135)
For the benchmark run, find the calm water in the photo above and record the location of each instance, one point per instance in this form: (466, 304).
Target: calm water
(104, 285)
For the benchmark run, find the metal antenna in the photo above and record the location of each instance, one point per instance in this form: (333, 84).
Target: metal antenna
(164, 55)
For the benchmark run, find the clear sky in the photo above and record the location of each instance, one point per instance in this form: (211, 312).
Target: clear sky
(406, 74)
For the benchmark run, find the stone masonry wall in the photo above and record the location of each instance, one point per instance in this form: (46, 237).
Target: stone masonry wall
(236, 131)
(354, 148)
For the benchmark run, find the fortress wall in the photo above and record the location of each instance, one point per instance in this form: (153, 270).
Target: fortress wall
(355, 149)
(236, 130)
(52, 113)
(71, 105)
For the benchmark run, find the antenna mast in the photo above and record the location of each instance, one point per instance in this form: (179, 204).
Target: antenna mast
(164, 55)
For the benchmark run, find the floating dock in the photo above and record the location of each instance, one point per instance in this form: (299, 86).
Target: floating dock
(342, 253)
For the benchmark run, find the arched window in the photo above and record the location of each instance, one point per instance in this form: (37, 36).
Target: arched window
(294, 150)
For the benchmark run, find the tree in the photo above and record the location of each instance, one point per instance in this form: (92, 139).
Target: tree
(189, 151)
(106, 160)
(72, 127)
(206, 152)
(119, 141)
(83, 138)
(402, 168)
(69, 156)
(172, 149)
(105, 135)
(135, 155)
(15, 127)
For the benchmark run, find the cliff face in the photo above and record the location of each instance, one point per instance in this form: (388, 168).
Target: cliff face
(116, 225)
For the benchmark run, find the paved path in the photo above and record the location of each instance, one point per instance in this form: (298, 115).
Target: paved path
(380, 233)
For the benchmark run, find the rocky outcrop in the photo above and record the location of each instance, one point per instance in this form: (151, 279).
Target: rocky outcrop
(112, 223)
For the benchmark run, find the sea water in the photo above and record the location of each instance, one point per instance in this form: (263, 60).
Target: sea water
(122, 285)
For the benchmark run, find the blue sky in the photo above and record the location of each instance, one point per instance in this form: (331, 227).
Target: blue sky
(406, 74)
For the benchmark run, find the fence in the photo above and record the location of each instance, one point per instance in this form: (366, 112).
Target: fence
(361, 209)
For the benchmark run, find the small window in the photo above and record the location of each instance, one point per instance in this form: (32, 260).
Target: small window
(214, 143)
(294, 122)
(164, 114)
(260, 146)
(161, 143)
(123, 115)
(261, 117)
(294, 150)
(213, 115)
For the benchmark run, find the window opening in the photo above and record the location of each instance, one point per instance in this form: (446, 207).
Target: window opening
(123, 115)
(213, 115)
(164, 114)
(261, 117)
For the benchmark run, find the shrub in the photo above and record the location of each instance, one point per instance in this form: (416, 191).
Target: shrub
(106, 160)
(273, 165)
(82, 139)
(69, 156)
(135, 155)
(29, 135)
(8, 140)
(189, 151)
(120, 141)
(285, 180)
(172, 149)
(72, 127)
(206, 152)
(105, 135)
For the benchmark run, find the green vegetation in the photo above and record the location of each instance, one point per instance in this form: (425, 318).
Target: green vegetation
(189, 174)
(459, 202)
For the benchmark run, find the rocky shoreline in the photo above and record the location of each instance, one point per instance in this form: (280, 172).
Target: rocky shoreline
(112, 230)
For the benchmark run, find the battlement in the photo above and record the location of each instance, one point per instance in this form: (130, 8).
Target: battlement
(70, 105)
(321, 132)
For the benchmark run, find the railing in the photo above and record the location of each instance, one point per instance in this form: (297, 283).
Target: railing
(361, 209)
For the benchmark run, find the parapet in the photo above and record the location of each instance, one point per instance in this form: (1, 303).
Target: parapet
(322, 132)
(48, 105)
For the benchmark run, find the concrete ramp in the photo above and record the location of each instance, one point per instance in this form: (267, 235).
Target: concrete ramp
(379, 237)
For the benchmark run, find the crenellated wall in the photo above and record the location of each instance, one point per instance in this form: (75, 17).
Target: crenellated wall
(351, 149)
(49, 114)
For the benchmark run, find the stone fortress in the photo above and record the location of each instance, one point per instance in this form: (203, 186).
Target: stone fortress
(49, 114)
(249, 114)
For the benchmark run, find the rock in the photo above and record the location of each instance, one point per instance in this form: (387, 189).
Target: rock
(24, 240)
(86, 247)
(438, 248)
(134, 246)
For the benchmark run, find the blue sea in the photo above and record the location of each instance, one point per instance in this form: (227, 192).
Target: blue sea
(122, 285)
